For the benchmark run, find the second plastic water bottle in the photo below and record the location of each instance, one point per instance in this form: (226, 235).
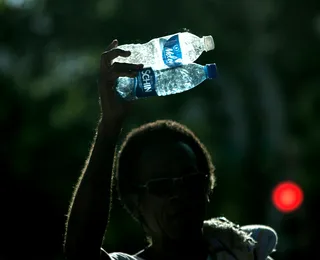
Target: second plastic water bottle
(168, 51)
(163, 82)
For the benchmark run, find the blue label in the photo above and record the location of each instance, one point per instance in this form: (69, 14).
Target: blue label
(171, 51)
(145, 83)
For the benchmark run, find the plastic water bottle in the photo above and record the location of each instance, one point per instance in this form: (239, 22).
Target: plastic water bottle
(168, 51)
(163, 82)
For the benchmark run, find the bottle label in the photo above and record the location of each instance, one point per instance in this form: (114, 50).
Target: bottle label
(145, 83)
(171, 51)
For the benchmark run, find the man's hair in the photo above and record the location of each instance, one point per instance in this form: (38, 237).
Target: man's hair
(134, 144)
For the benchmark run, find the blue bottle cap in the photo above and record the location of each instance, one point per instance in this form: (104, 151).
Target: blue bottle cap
(211, 70)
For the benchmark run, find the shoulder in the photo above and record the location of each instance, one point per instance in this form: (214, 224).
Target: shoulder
(117, 256)
(243, 241)
(123, 256)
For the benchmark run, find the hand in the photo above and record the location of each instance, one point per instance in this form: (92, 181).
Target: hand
(114, 109)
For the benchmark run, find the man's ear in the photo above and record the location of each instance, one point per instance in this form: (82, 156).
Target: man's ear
(137, 211)
(135, 205)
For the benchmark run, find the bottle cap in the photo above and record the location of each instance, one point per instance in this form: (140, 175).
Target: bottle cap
(211, 70)
(208, 43)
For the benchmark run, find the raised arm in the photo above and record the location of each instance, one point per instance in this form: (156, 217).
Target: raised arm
(88, 213)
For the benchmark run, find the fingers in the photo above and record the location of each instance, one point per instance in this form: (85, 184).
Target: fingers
(111, 71)
(117, 66)
(114, 53)
(112, 45)
(108, 56)
(111, 53)
(125, 69)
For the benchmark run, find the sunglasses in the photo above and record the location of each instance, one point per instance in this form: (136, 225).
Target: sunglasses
(194, 183)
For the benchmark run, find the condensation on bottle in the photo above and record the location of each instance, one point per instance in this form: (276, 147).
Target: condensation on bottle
(162, 82)
(168, 51)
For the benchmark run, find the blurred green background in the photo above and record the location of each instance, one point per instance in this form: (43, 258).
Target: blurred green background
(259, 119)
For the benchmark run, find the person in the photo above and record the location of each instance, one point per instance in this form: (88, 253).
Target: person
(164, 176)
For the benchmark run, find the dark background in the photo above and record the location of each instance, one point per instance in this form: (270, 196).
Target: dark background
(259, 119)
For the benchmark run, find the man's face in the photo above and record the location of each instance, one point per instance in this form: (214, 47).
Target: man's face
(173, 199)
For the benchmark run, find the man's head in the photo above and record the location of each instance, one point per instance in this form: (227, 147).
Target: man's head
(164, 178)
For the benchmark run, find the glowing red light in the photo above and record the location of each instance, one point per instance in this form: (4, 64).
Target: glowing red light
(287, 196)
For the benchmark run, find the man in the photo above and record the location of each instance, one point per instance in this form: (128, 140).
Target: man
(164, 177)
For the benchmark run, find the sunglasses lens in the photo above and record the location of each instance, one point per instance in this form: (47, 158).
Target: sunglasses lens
(167, 187)
(161, 187)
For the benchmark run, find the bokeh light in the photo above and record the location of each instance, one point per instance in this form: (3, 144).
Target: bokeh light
(287, 196)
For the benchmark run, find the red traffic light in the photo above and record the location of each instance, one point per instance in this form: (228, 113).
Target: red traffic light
(287, 196)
